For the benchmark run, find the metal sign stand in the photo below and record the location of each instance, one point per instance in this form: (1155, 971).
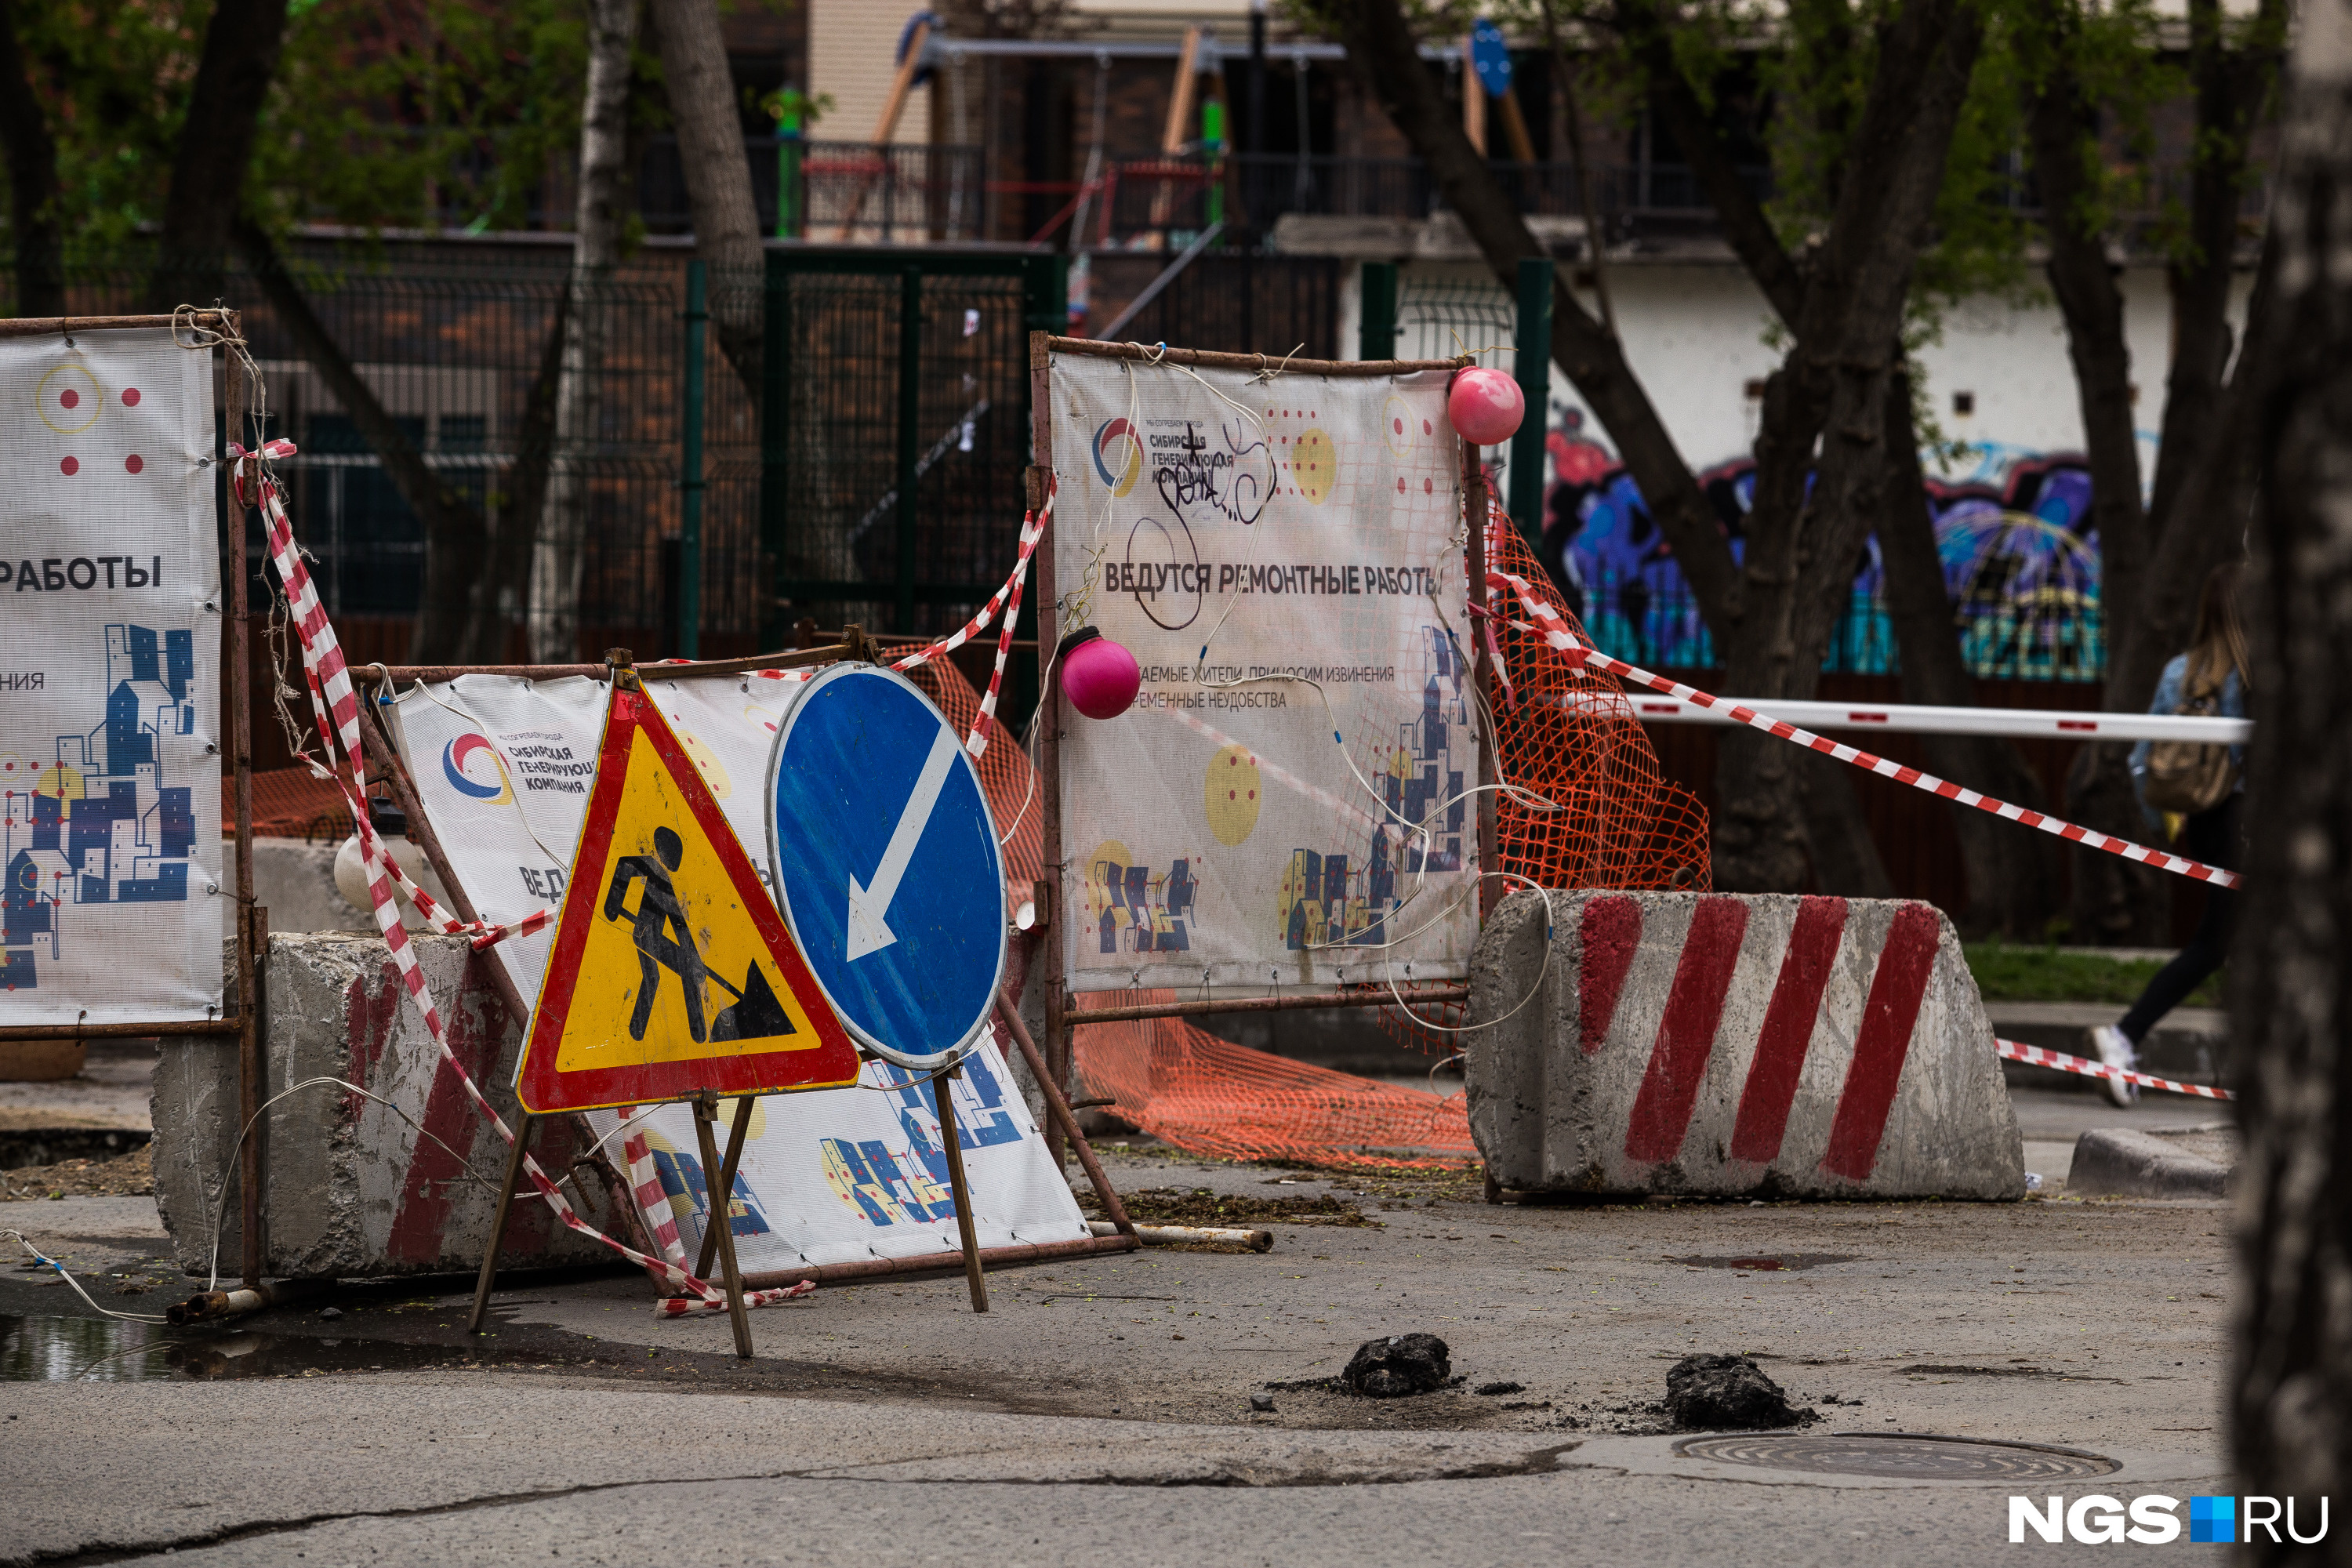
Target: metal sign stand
(249, 928)
(1062, 1019)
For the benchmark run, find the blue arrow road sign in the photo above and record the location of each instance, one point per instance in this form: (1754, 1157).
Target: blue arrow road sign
(886, 863)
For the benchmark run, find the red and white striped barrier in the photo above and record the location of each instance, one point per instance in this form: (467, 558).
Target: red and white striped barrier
(1736, 1044)
(2034, 1056)
(1554, 632)
(335, 708)
(1033, 528)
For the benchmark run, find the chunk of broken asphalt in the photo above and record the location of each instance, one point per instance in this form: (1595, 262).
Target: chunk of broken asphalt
(1501, 1388)
(1261, 1403)
(1399, 1365)
(1726, 1393)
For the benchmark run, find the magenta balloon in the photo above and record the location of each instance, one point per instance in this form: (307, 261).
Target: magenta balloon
(1485, 406)
(1100, 677)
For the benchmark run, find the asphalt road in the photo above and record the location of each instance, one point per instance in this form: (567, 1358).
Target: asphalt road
(1100, 1412)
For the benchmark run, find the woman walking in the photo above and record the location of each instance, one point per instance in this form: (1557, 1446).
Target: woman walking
(2204, 783)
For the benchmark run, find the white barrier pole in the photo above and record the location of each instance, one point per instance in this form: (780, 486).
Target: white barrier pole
(2021, 723)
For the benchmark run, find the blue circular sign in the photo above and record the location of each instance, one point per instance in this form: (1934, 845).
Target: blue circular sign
(885, 864)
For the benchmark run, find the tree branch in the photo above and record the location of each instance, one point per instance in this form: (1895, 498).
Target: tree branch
(33, 189)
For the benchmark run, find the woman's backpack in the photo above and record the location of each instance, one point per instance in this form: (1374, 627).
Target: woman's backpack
(2189, 777)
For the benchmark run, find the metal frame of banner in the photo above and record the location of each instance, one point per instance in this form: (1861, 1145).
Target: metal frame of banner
(388, 765)
(249, 929)
(1062, 1019)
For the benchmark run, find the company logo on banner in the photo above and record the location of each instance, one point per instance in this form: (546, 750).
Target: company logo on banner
(1290, 800)
(1118, 456)
(474, 768)
(110, 868)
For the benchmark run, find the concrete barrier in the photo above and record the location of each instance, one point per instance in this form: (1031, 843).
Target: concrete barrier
(352, 1191)
(1762, 1045)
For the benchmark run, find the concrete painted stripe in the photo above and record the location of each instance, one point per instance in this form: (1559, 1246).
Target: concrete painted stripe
(1685, 1038)
(1904, 963)
(1788, 1030)
(1611, 930)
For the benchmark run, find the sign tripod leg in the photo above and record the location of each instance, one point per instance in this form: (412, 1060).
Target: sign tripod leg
(524, 1127)
(972, 1275)
(721, 1223)
(735, 1140)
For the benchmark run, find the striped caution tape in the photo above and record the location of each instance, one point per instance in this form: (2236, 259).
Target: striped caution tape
(1555, 633)
(2034, 1056)
(335, 707)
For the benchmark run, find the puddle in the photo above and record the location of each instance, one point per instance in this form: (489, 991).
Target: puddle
(1767, 1263)
(100, 1350)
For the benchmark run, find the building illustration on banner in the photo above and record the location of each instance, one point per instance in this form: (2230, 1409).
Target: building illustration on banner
(895, 1187)
(94, 822)
(682, 1185)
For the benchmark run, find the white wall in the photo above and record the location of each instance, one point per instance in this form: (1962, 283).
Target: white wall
(1696, 336)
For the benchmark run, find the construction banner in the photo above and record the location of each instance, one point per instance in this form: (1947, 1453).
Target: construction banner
(1289, 800)
(504, 769)
(110, 681)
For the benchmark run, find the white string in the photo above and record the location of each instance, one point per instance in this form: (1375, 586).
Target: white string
(65, 1275)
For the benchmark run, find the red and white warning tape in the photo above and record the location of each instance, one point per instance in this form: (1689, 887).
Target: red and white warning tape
(1008, 597)
(1554, 631)
(336, 708)
(2034, 1056)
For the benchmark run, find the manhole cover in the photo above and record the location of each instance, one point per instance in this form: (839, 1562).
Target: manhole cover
(1900, 1456)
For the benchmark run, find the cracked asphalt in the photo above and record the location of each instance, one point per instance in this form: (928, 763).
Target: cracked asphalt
(1100, 1412)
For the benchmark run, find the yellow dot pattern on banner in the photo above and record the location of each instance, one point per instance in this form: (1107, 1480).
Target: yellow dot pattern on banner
(706, 760)
(61, 782)
(1230, 795)
(729, 1110)
(1314, 466)
(1399, 425)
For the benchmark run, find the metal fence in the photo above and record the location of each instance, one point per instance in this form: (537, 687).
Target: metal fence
(455, 343)
(902, 193)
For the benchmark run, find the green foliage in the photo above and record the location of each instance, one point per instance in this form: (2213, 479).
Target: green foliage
(380, 115)
(2016, 973)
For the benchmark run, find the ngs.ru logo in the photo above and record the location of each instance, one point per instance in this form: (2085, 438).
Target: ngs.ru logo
(2152, 1520)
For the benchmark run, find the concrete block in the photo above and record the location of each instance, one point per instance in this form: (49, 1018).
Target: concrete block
(2120, 1163)
(353, 1190)
(294, 879)
(1735, 1043)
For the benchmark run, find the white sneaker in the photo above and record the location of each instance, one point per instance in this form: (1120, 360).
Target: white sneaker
(2114, 1048)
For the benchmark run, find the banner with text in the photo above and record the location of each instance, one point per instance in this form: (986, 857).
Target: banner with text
(110, 682)
(503, 768)
(1289, 800)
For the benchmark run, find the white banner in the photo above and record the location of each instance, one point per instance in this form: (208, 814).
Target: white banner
(110, 682)
(1283, 557)
(503, 767)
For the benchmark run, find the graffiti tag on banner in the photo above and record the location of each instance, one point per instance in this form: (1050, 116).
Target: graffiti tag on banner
(113, 907)
(503, 770)
(672, 972)
(1287, 801)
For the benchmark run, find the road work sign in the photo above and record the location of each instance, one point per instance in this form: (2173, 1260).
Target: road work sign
(886, 863)
(671, 973)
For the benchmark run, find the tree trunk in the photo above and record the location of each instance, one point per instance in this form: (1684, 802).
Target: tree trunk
(32, 155)
(205, 200)
(2291, 996)
(717, 179)
(454, 535)
(2011, 870)
(559, 536)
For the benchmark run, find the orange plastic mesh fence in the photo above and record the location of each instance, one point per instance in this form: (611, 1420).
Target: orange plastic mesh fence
(1561, 734)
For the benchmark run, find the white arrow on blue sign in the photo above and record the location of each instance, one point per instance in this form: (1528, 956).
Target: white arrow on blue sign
(886, 863)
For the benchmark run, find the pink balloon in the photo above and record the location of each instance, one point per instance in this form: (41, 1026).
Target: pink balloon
(1484, 405)
(1098, 676)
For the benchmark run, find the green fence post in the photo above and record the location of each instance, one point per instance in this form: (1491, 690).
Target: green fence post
(1527, 496)
(690, 481)
(911, 409)
(787, 169)
(1376, 327)
(775, 449)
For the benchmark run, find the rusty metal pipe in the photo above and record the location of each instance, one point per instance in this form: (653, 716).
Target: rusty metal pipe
(1082, 1017)
(211, 1306)
(938, 1263)
(1192, 1236)
(792, 659)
